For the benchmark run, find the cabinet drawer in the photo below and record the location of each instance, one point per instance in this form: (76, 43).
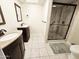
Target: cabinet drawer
(15, 50)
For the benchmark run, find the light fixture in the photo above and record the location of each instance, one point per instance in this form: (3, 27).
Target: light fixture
(54, 6)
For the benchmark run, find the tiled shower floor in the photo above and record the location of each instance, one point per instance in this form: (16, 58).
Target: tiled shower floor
(36, 48)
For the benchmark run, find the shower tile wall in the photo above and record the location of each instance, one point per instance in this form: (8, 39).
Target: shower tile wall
(60, 19)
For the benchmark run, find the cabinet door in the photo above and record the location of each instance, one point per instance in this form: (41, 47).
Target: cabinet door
(22, 47)
(26, 33)
(16, 54)
(13, 51)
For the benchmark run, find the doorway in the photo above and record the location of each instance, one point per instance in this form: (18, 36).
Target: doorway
(61, 17)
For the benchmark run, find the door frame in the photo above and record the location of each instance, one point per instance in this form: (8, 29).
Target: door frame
(48, 19)
(49, 14)
(68, 4)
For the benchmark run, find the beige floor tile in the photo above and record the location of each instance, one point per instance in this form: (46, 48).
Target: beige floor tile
(38, 49)
(54, 57)
(50, 51)
(26, 58)
(42, 45)
(59, 56)
(35, 45)
(35, 58)
(43, 52)
(45, 57)
(63, 56)
(35, 53)
(27, 53)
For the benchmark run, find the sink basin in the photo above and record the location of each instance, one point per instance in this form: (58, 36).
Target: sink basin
(24, 26)
(8, 37)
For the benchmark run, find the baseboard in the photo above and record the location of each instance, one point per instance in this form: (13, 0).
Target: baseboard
(68, 43)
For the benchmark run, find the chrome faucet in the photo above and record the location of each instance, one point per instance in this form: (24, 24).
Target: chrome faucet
(22, 24)
(3, 30)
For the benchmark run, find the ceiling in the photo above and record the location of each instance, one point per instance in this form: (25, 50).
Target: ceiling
(43, 1)
(33, 1)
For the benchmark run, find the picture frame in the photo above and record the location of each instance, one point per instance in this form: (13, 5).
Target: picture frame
(18, 12)
(2, 20)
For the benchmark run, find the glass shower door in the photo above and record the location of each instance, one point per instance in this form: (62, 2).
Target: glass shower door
(61, 17)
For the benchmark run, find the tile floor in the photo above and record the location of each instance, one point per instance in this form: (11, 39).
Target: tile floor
(36, 48)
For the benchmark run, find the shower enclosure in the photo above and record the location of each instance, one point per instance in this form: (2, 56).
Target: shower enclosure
(61, 17)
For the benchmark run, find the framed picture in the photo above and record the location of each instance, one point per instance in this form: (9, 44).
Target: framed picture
(2, 21)
(18, 12)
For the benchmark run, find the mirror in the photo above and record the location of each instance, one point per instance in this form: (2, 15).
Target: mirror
(2, 21)
(18, 12)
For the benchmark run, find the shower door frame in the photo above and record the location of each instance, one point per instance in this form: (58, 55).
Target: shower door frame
(67, 4)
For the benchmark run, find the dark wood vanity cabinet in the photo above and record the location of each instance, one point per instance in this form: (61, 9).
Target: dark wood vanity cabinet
(26, 33)
(15, 50)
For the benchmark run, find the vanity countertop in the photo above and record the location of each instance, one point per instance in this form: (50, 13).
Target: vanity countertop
(3, 44)
(24, 26)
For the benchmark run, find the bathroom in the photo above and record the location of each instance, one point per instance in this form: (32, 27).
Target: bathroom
(25, 29)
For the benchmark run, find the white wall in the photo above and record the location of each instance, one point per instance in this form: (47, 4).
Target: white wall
(34, 19)
(48, 8)
(73, 36)
(37, 13)
(8, 10)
